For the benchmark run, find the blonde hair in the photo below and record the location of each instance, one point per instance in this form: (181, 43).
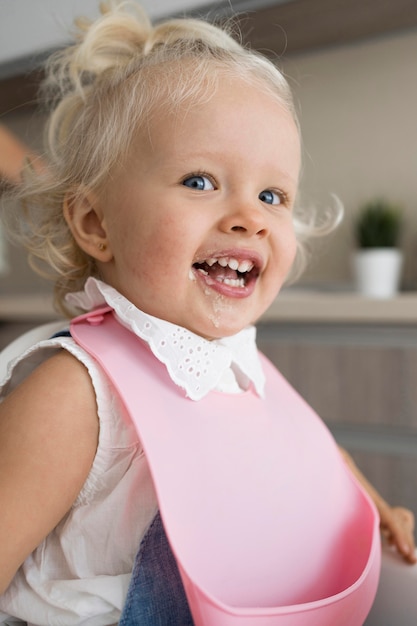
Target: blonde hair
(101, 90)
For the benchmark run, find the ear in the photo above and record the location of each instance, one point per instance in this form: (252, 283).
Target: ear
(84, 216)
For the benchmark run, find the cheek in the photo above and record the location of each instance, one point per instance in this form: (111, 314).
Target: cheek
(293, 248)
(154, 253)
(286, 247)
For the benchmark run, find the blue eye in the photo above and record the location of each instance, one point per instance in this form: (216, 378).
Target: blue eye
(200, 182)
(270, 197)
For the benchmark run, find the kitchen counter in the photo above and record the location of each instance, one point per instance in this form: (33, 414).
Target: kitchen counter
(296, 305)
(293, 305)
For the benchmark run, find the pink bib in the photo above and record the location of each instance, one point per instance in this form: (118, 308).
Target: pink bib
(266, 523)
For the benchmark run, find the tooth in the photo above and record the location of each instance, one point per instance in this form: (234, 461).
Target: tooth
(200, 269)
(223, 261)
(191, 275)
(245, 266)
(210, 262)
(234, 282)
(233, 264)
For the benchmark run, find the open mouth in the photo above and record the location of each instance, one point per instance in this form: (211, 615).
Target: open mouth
(228, 270)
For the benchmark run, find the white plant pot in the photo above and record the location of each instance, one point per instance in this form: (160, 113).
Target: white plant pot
(377, 271)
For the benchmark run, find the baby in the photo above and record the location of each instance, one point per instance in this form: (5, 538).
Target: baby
(169, 196)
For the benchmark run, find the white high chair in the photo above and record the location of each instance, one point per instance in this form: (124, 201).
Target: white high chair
(25, 341)
(396, 600)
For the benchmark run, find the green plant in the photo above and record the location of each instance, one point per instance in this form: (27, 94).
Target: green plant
(379, 225)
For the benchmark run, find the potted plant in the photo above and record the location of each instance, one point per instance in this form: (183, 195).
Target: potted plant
(378, 258)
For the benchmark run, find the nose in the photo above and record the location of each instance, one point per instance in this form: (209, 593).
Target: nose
(245, 217)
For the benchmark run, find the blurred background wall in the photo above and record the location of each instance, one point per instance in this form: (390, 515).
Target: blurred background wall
(358, 112)
(353, 68)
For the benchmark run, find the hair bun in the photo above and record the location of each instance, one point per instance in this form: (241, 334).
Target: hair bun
(103, 46)
(112, 40)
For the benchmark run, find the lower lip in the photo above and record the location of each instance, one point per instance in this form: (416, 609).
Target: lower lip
(224, 289)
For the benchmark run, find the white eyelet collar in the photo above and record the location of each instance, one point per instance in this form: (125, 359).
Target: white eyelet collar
(195, 364)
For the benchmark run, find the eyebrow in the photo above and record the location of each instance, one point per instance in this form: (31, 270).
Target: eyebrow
(217, 156)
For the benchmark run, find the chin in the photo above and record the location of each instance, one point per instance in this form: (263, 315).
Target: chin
(217, 331)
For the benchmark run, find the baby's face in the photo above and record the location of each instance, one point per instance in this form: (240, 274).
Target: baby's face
(200, 220)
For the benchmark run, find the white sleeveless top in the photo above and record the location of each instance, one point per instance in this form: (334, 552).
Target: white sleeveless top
(81, 571)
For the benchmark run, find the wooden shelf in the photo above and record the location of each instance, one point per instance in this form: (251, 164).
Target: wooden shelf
(304, 306)
(302, 25)
(283, 29)
(20, 93)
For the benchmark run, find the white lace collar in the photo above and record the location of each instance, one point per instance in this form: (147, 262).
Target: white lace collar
(193, 363)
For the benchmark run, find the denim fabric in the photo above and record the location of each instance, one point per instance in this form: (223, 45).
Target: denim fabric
(156, 595)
